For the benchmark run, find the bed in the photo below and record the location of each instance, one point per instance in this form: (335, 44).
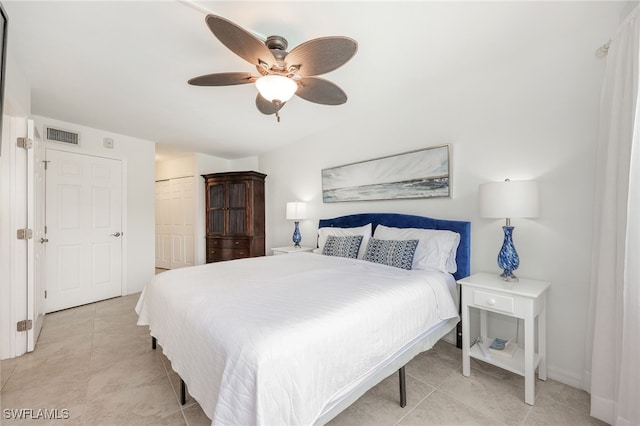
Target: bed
(296, 339)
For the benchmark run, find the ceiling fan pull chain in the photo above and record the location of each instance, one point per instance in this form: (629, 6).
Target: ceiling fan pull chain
(278, 116)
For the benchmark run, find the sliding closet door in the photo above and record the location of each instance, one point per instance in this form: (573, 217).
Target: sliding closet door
(175, 217)
(163, 225)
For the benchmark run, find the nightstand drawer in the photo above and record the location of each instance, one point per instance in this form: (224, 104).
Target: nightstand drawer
(494, 301)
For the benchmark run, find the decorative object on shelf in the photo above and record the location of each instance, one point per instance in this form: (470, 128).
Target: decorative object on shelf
(296, 211)
(417, 174)
(508, 349)
(509, 199)
(498, 344)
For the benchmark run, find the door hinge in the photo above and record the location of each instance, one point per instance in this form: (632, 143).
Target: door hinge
(25, 234)
(24, 143)
(46, 164)
(25, 325)
(45, 294)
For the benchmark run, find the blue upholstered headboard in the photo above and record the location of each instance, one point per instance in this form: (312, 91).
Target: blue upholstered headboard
(463, 255)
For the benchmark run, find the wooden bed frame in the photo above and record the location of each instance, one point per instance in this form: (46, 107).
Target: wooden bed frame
(463, 259)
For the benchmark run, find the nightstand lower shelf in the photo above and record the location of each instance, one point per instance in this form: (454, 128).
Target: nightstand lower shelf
(514, 364)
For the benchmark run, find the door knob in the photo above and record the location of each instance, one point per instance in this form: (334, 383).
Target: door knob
(44, 240)
(117, 234)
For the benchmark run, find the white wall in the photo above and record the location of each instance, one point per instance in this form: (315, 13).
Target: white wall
(138, 164)
(177, 167)
(528, 116)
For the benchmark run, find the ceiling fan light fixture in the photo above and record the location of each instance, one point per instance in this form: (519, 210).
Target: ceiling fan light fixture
(276, 87)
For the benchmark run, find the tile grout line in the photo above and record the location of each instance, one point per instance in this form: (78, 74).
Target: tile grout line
(416, 405)
(175, 392)
(13, 370)
(86, 392)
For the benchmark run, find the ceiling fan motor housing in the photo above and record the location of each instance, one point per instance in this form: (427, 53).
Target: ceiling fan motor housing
(278, 46)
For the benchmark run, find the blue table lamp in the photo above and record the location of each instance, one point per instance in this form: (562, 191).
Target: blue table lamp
(296, 211)
(509, 199)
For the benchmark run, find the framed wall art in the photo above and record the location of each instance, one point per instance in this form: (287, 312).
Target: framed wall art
(416, 174)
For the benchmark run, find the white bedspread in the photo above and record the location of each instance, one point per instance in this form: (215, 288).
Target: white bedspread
(272, 340)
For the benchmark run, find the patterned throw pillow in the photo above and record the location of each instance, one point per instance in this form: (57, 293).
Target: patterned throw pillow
(398, 253)
(347, 246)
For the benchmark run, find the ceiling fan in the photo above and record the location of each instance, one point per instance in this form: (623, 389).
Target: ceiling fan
(281, 74)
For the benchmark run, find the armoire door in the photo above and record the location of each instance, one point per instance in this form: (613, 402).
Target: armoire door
(237, 208)
(216, 208)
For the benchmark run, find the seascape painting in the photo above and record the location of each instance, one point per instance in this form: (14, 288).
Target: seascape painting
(416, 174)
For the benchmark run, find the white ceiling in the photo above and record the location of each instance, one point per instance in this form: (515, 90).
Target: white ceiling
(123, 66)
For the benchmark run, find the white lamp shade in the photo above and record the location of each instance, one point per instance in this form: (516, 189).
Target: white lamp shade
(509, 199)
(276, 87)
(296, 210)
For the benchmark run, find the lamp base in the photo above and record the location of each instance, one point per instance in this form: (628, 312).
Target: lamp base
(508, 258)
(296, 235)
(509, 277)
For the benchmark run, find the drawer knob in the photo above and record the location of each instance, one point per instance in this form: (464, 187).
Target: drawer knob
(491, 302)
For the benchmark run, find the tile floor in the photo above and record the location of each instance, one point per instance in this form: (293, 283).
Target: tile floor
(96, 363)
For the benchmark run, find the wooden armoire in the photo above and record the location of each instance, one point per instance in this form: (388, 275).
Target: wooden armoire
(234, 215)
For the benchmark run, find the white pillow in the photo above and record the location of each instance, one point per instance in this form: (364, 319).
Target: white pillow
(436, 249)
(365, 231)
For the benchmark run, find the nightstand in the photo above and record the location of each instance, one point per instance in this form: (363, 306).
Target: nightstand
(289, 250)
(525, 299)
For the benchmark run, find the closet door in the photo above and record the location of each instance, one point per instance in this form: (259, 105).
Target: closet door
(182, 220)
(175, 218)
(163, 225)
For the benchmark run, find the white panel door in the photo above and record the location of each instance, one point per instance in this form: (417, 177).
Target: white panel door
(164, 253)
(182, 218)
(84, 229)
(37, 246)
(175, 217)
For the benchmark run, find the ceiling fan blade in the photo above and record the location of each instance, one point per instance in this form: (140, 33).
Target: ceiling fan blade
(223, 79)
(320, 91)
(267, 107)
(321, 55)
(240, 41)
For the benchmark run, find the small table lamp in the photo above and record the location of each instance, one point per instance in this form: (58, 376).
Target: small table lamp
(296, 210)
(506, 200)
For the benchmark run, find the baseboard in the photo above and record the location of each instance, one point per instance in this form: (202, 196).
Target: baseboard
(563, 376)
(450, 337)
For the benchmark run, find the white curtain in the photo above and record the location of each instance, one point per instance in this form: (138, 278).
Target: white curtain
(613, 340)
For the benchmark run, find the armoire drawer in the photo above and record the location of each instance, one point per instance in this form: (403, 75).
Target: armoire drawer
(228, 243)
(216, 254)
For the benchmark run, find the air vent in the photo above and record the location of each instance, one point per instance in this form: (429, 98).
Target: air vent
(52, 134)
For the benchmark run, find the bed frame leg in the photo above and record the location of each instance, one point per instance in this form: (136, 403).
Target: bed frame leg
(183, 393)
(403, 388)
(154, 343)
